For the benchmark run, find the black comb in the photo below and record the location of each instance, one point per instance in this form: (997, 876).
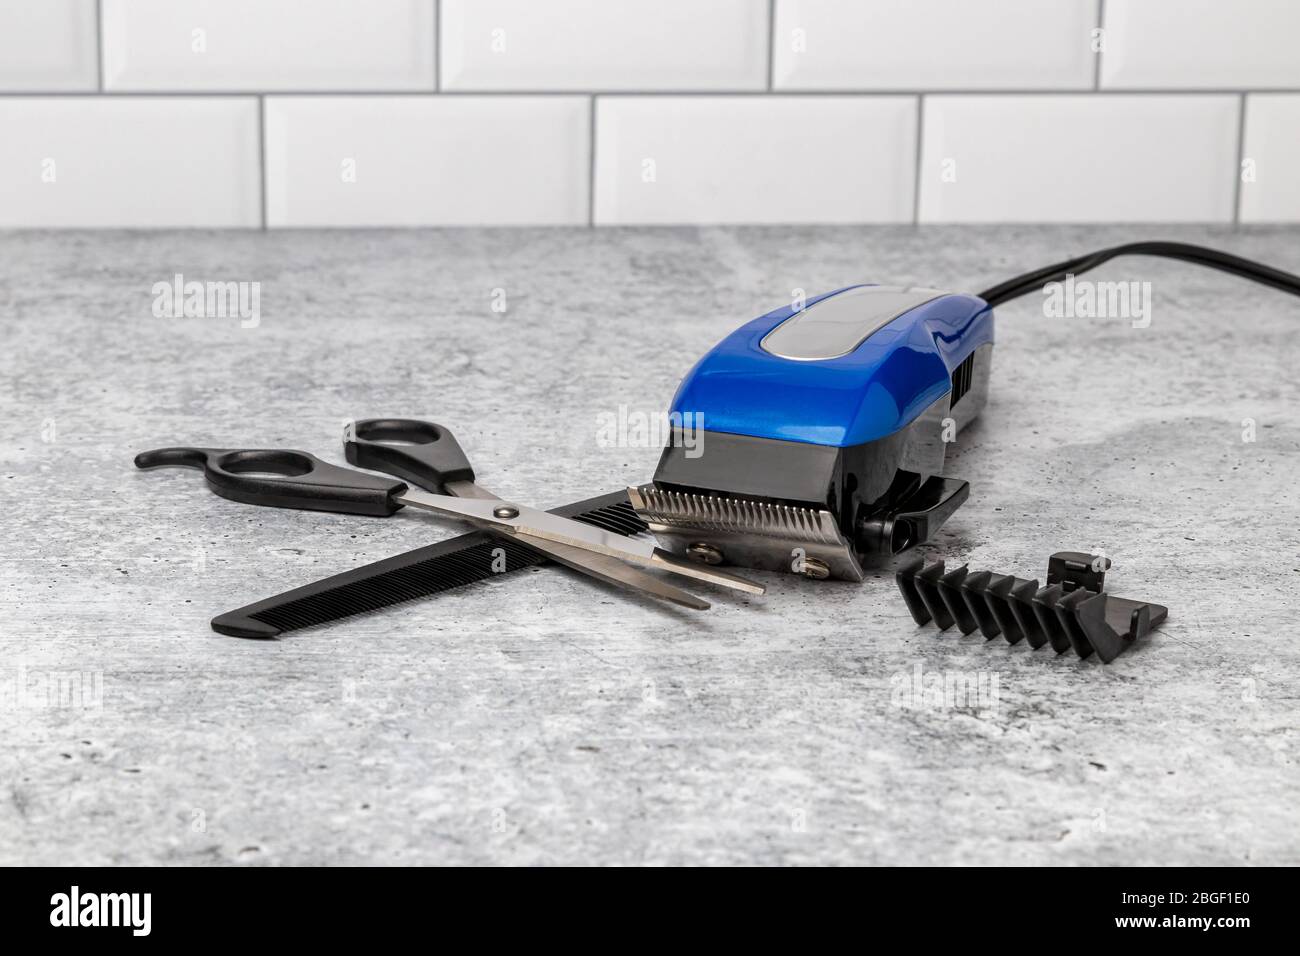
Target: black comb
(448, 564)
(1071, 612)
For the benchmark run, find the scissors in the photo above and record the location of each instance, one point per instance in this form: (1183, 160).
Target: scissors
(428, 456)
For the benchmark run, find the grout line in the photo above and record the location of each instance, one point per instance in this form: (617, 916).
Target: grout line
(916, 175)
(771, 42)
(1101, 25)
(99, 43)
(591, 164)
(261, 154)
(1241, 156)
(716, 94)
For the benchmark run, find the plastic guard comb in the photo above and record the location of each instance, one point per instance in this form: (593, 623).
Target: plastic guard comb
(1071, 612)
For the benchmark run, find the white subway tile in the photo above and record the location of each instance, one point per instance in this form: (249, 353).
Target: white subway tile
(277, 45)
(609, 45)
(755, 159)
(125, 162)
(1201, 44)
(427, 161)
(933, 44)
(1270, 188)
(48, 46)
(1078, 158)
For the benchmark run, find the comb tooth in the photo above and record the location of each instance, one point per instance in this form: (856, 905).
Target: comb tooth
(997, 594)
(926, 583)
(1141, 620)
(1067, 609)
(905, 577)
(973, 590)
(1095, 620)
(1134, 618)
(950, 591)
(1022, 606)
(619, 518)
(1045, 610)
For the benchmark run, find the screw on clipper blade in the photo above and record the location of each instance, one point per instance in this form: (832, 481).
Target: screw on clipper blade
(1072, 611)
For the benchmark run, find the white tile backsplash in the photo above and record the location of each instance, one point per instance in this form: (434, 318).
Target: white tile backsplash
(269, 45)
(1201, 44)
(482, 112)
(427, 160)
(1078, 158)
(933, 44)
(609, 45)
(48, 46)
(1270, 190)
(751, 159)
(158, 161)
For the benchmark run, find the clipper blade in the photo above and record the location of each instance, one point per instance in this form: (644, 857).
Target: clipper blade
(747, 532)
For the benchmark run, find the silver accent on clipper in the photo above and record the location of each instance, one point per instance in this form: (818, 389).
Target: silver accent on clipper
(753, 534)
(839, 323)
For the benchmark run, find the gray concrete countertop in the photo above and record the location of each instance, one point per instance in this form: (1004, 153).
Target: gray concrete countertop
(544, 719)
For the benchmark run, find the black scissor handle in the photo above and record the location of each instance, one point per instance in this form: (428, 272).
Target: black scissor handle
(424, 453)
(282, 478)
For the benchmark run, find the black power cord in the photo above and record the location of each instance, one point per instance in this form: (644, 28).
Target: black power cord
(1200, 255)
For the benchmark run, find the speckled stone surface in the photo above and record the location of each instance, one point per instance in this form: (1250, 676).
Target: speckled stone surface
(543, 719)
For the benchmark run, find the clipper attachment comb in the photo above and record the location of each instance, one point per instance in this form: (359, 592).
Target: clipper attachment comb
(1070, 612)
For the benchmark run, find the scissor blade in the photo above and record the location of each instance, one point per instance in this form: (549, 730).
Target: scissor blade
(599, 566)
(496, 514)
(703, 572)
(520, 519)
(611, 570)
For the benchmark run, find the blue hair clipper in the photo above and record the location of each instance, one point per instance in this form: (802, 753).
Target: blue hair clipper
(812, 439)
